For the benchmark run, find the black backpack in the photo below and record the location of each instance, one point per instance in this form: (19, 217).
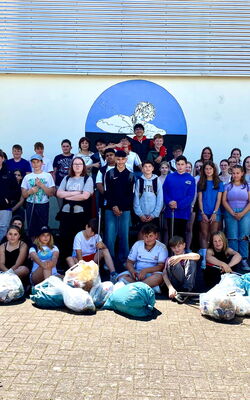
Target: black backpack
(154, 184)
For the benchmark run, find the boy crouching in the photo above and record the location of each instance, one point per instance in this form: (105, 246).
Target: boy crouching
(146, 259)
(180, 270)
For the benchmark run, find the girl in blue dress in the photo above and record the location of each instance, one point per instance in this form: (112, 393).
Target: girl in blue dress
(210, 190)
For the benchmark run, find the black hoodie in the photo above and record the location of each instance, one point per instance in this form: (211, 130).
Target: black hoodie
(10, 191)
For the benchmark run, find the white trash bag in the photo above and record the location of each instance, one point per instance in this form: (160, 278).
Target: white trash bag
(101, 292)
(77, 299)
(83, 275)
(11, 287)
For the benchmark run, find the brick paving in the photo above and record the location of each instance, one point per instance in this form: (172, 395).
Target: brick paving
(58, 355)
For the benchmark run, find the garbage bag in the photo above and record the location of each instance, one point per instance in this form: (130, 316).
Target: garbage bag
(101, 292)
(83, 275)
(242, 305)
(48, 294)
(217, 305)
(228, 298)
(137, 299)
(77, 299)
(11, 287)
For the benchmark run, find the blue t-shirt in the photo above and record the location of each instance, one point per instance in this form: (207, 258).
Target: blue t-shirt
(209, 197)
(23, 165)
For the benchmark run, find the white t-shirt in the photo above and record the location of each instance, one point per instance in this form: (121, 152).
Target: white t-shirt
(132, 160)
(86, 158)
(144, 258)
(29, 181)
(76, 184)
(88, 246)
(47, 165)
(45, 254)
(99, 174)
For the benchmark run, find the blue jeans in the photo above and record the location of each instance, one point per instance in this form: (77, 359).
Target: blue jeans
(5, 217)
(117, 226)
(237, 232)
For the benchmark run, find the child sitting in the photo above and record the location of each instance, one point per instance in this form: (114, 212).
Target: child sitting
(146, 259)
(180, 269)
(86, 245)
(44, 256)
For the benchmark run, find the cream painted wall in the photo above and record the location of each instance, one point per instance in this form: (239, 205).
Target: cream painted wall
(51, 108)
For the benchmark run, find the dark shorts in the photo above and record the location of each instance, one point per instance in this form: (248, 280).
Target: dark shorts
(37, 217)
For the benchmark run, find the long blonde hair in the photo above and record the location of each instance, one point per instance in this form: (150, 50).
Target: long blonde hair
(39, 245)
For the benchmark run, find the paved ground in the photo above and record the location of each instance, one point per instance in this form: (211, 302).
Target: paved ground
(57, 355)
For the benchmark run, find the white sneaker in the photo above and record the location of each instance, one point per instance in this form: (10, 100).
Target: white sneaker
(244, 265)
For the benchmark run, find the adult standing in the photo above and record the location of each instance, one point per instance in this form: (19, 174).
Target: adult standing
(9, 195)
(37, 187)
(75, 189)
(178, 194)
(119, 183)
(236, 200)
(84, 151)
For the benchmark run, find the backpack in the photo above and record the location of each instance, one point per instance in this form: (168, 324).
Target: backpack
(154, 184)
(130, 178)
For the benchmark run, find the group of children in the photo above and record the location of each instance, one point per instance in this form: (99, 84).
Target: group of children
(133, 175)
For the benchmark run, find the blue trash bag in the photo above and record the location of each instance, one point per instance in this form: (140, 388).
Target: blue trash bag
(48, 294)
(137, 299)
(246, 283)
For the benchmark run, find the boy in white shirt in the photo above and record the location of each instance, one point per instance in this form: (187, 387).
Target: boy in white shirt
(146, 259)
(86, 245)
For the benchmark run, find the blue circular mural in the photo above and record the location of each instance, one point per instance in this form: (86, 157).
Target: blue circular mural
(121, 106)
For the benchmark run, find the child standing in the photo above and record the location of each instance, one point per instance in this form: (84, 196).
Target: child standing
(87, 244)
(180, 269)
(164, 171)
(44, 255)
(210, 190)
(148, 199)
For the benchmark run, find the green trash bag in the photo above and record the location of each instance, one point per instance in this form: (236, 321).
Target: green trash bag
(48, 294)
(137, 299)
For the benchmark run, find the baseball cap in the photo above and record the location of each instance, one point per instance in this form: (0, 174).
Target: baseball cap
(36, 157)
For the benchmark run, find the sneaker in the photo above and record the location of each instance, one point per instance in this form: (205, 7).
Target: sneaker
(180, 298)
(244, 265)
(113, 277)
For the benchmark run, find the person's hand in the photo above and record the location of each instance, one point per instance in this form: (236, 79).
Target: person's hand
(143, 218)
(149, 218)
(141, 275)
(134, 275)
(34, 189)
(116, 211)
(212, 218)
(172, 292)
(174, 260)
(39, 183)
(100, 245)
(204, 218)
(158, 159)
(172, 204)
(238, 215)
(225, 268)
